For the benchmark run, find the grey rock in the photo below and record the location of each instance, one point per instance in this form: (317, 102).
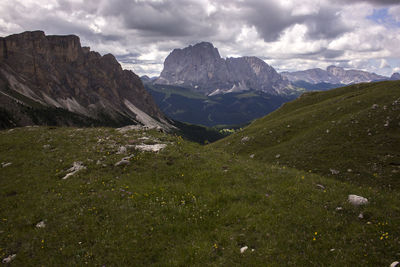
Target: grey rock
(357, 200)
(41, 224)
(9, 258)
(334, 172)
(5, 164)
(201, 68)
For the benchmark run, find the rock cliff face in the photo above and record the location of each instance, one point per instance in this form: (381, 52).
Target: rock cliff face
(201, 68)
(334, 75)
(56, 71)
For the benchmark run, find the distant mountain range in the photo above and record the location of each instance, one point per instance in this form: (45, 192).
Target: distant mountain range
(201, 69)
(197, 86)
(53, 80)
(336, 75)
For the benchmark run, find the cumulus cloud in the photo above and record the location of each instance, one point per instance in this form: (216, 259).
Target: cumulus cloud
(288, 34)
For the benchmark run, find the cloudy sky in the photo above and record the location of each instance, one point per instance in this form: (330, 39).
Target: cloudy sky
(287, 34)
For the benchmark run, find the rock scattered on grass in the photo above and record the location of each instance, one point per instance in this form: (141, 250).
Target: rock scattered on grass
(41, 224)
(277, 156)
(320, 186)
(245, 139)
(357, 200)
(339, 208)
(334, 172)
(76, 167)
(5, 164)
(252, 156)
(124, 161)
(243, 249)
(361, 216)
(9, 258)
(47, 146)
(394, 264)
(122, 150)
(374, 106)
(150, 148)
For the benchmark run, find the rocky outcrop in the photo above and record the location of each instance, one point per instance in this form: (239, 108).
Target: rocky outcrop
(200, 67)
(56, 71)
(333, 75)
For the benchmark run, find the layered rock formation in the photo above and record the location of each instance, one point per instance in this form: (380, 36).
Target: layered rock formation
(200, 67)
(56, 71)
(334, 75)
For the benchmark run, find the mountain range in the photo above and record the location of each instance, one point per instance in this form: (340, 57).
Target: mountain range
(52, 78)
(201, 68)
(336, 75)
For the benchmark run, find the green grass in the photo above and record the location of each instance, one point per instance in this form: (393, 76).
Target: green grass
(186, 205)
(337, 129)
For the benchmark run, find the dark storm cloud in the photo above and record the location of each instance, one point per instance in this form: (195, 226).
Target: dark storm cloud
(326, 24)
(165, 18)
(271, 19)
(268, 17)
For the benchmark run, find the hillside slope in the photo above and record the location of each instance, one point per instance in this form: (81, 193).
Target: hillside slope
(352, 133)
(185, 205)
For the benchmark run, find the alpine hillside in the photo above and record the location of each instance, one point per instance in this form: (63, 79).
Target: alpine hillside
(350, 133)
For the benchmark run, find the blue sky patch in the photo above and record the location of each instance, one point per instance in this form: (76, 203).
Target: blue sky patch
(382, 16)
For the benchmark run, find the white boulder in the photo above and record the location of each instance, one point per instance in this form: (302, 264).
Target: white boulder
(357, 200)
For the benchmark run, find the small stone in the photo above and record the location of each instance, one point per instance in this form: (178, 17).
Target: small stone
(361, 216)
(122, 162)
(394, 264)
(349, 170)
(41, 224)
(357, 200)
(245, 139)
(46, 146)
(76, 167)
(243, 249)
(5, 164)
(334, 172)
(9, 258)
(321, 186)
(327, 130)
(122, 150)
(277, 156)
(339, 208)
(332, 249)
(374, 106)
(252, 156)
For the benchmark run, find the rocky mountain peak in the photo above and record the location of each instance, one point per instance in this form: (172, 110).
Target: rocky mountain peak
(336, 71)
(201, 68)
